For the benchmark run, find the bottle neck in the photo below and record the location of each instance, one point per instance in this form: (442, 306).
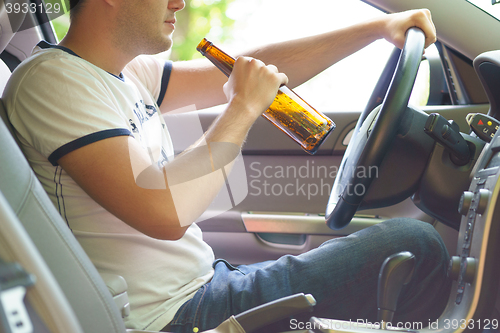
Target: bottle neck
(219, 58)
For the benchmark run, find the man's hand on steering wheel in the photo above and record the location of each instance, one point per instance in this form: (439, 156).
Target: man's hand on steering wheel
(395, 26)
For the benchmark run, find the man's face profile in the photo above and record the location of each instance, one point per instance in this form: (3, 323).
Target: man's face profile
(146, 25)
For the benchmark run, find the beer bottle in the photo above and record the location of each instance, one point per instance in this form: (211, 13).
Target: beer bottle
(290, 113)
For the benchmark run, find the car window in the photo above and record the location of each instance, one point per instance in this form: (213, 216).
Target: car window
(61, 25)
(420, 94)
(347, 85)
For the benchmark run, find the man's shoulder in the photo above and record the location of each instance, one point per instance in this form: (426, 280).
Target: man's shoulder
(150, 72)
(47, 60)
(46, 69)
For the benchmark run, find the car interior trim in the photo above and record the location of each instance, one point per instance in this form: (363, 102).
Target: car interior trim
(302, 224)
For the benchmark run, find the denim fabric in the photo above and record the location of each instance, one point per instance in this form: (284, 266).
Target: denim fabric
(341, 274)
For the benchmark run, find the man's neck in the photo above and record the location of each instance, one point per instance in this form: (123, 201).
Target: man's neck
(96, 49)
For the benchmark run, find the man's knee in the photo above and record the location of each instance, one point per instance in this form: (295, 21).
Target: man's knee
(421, 236)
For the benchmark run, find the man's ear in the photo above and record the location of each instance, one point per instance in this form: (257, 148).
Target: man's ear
(111, 3)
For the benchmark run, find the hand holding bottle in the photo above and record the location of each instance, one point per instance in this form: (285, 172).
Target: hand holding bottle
(290, 113)
(253, 85)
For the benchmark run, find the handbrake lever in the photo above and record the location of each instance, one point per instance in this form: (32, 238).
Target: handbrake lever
(274, 311)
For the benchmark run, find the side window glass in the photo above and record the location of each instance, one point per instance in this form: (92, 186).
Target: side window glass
(58, 12)
(61, 25)
(421, 89)
(430, 85)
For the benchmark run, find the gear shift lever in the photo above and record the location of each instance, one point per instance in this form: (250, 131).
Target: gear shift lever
(395, 272)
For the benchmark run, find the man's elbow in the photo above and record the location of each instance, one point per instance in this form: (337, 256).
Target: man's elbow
(174, 234)
(167, 233)
(165, 228)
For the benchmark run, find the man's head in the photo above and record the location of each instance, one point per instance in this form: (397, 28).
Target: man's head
(134, 26)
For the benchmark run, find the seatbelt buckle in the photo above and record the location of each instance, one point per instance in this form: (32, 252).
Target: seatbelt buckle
(14, 280)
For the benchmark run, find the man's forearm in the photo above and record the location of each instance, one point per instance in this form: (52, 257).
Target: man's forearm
(302, 59)
(196, 176)
(198, 173)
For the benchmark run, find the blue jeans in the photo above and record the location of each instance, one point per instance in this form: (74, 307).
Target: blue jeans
(341, 274)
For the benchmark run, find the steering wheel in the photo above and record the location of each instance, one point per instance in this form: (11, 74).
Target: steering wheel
(373, 136)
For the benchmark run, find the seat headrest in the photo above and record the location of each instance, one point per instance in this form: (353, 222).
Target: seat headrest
(10, 22)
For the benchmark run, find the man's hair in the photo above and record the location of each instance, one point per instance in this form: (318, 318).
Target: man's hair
(75, 6)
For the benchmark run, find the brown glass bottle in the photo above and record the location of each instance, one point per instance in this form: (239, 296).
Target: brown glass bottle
(290, 113)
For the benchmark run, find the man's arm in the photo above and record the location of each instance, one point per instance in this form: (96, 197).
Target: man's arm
(151, 202)
(198, 82)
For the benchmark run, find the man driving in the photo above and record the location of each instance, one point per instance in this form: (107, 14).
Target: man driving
(88, 115)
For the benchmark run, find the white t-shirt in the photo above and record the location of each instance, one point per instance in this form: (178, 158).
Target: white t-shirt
(58, 102)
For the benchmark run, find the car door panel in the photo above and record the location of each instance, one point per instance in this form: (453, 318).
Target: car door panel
(264, 138)
(288, 189)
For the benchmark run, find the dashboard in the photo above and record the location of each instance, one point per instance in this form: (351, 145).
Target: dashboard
(475, 265)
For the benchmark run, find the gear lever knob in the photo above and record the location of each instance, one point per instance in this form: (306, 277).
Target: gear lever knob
(396, 271)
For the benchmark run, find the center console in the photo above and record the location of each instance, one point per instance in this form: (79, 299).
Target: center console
(474, 268)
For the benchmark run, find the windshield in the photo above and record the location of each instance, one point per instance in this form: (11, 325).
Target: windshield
(492, 7)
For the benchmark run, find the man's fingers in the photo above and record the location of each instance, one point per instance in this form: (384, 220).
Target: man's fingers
(273, 68)
(283, 79)
(424, 22)
(432, 37)
(257, 64)
(254, 84)
(399, 23)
